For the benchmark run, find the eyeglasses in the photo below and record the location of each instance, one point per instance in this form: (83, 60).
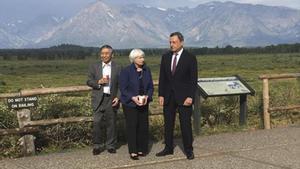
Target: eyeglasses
(105, 53)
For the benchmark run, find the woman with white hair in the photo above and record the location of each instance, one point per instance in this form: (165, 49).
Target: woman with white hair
(136, 88)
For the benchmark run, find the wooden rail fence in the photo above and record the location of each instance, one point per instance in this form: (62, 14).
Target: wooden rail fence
(27, 127)
(266, 97)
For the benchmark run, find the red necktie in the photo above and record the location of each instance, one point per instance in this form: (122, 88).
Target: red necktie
(174, 64)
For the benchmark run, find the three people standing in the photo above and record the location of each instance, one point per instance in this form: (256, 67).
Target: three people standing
(177, 87)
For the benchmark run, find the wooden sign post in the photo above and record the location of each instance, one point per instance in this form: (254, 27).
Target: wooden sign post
(22, 105)
(27, 141)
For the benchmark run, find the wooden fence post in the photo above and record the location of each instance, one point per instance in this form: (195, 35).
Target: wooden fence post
(27, 141)
(266, 100)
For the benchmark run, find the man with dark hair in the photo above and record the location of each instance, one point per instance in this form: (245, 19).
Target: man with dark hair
(177, 87)
(103, 77)
(179, 35)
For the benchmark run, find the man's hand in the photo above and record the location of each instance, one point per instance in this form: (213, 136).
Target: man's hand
(115, 102)
(161, 100)
(188, 101)
(103, 81)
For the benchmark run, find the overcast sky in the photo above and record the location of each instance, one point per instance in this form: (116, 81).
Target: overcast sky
(287, 3)
(163, 3)
(23, 9)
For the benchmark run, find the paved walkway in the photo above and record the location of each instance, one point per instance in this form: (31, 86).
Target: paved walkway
(263, 149)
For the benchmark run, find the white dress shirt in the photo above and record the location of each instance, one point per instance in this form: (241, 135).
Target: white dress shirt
(177, 57)
(106, 71)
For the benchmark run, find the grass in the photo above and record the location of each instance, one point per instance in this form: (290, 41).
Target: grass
(15, 75)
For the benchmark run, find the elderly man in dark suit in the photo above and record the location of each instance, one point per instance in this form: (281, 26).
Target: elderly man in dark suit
(103, 78)
(177, 86)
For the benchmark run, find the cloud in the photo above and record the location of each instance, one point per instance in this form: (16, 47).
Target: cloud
(287, 3)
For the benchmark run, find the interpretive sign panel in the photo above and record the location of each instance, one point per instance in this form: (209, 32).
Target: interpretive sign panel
(223, 86)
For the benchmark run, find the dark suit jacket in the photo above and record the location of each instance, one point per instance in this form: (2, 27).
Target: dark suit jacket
(94, 74)
(184, 82)
(129, 84)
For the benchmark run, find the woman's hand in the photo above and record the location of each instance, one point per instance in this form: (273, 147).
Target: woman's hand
(146, 100)
(136, 101)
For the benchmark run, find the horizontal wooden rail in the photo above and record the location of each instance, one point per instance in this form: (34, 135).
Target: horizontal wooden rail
(7, 95)
(48, 122)
(56, 90)
(284, 108)
(57, 121)
(25, 130)
(44, 91)
(32, 126)
(280, 76)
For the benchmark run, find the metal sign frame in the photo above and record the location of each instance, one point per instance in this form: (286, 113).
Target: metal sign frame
(243, 100)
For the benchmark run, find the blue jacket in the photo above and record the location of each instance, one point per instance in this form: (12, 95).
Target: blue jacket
(129, 84)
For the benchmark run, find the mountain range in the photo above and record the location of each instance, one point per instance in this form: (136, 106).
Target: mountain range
(135, 25)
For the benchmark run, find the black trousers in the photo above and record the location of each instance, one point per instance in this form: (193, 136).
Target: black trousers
(105, 116)
(185, 113)
(137, 128)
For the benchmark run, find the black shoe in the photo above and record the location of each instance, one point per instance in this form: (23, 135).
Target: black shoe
(164, 152)
(141, 154)
(112, 151)
(134, 157)
(190, 155)
(96, 151)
